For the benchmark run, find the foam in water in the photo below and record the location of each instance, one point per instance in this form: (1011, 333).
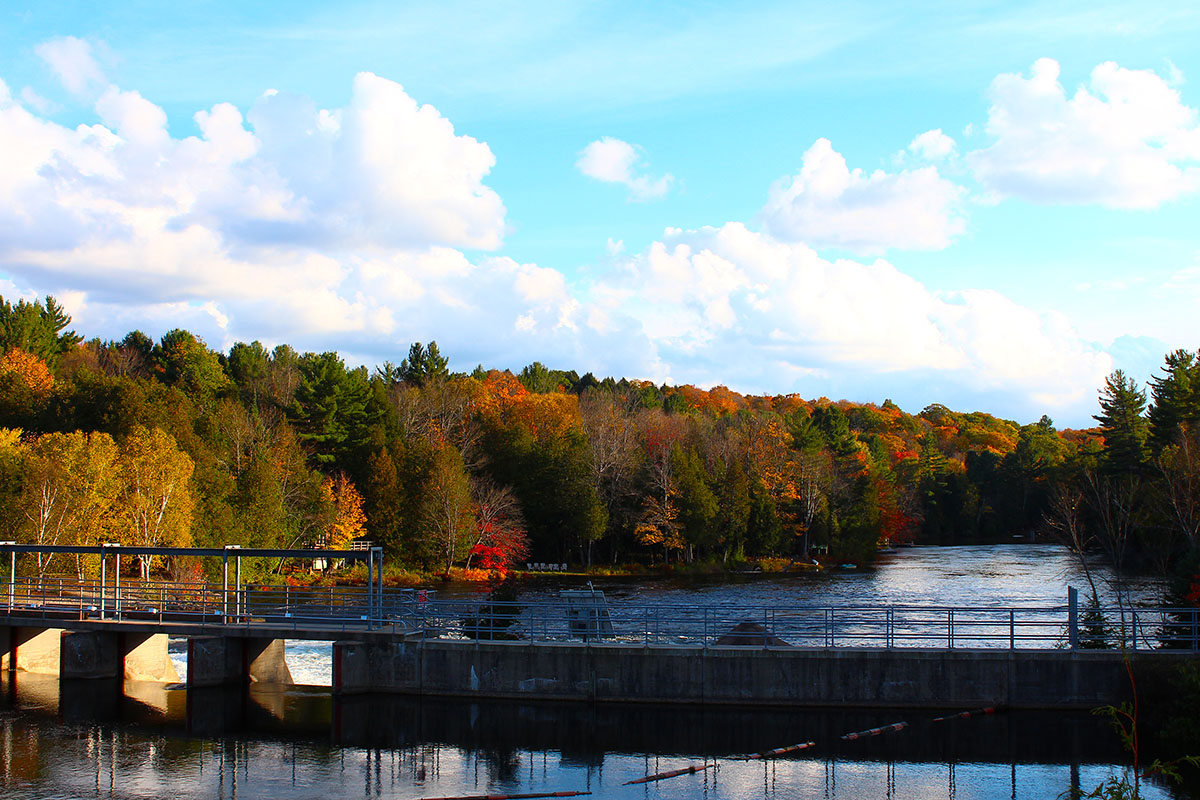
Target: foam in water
(311, 663)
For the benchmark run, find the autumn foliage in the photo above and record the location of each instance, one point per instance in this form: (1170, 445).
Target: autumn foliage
(29, 369)
(170, 441)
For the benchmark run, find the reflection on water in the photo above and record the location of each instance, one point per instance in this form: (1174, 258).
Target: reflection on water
(88, 739)
(969, 575)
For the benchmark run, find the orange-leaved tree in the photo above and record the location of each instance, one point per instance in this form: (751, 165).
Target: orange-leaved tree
(348, 520)
(31, 370)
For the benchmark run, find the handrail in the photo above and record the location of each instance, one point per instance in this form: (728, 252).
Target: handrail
(409, 612)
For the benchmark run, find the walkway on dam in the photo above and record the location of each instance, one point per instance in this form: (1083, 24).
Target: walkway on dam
(233, 608)
(577, 646)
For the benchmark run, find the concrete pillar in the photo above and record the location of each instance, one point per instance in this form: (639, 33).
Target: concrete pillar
(214, 661)
(225, 660)
(90, 654)
(33, 650)
(265, 661)
(350, 667)
(146, 659)
(7, 640)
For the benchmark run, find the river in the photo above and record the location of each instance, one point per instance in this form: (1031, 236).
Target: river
(89, 739)
(1020, 575)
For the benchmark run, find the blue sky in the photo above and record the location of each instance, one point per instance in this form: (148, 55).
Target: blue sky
(986, 205)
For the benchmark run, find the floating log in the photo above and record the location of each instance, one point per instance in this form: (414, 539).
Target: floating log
(675, 773)
(778, 751)
(978, 712)
(898, 726)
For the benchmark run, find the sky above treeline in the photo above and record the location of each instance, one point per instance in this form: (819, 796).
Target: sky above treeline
(985, 205)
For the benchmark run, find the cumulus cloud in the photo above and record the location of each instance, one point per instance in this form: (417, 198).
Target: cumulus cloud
(829, 205)
(932, 145)
(614, 161)
(293, 217)
(346, 229)
(73, 62)
(732, 305)
(1125, 140)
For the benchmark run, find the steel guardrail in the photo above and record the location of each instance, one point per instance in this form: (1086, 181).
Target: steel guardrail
(421, 614)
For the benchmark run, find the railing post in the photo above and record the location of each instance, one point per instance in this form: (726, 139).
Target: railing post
(1133, 626)
(117, 588)
(950, 629)
(1012, 629)
(1073, 617)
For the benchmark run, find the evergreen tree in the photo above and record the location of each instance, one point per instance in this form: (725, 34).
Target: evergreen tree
(1122, 422)
(424, 364)
(331, 409)
(1176, 398)
(36, 328)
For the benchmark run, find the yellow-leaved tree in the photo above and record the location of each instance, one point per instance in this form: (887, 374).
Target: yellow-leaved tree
(71, 483)
(348, 519)
(32, 371)
(156, 503)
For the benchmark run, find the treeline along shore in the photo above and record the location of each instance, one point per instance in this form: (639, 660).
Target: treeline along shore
(170, 443)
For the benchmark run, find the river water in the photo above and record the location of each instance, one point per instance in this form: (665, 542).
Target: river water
(1017, 575)
(92, 739)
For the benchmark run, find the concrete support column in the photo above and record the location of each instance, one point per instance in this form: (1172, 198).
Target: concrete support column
(214, 661)
(90, 654)
(30, 650)
(379, 666)
(226, 661)
(265, 662)
(8, 640)
(146, 658)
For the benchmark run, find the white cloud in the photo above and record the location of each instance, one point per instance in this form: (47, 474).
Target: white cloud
(829, 205)
(1124, 141)
(35, 101)
(932, 145)
(345, 229)
(614, 161)
(1187, 278)
(731, 305)
(73, 63)
(384, 171)
(1174, 75)
(299, 221)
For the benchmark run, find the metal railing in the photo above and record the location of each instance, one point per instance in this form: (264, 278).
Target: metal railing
(896, 626)
(421, 614)
(339, 608)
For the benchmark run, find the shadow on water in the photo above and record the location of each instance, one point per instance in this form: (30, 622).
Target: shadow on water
(302, 742)
(582, 733)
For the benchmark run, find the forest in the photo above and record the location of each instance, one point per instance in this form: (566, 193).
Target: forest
(171, 443)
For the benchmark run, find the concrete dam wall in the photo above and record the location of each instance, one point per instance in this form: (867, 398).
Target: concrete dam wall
(738, 675)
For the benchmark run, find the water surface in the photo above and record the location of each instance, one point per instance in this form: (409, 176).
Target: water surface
(84, 739)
